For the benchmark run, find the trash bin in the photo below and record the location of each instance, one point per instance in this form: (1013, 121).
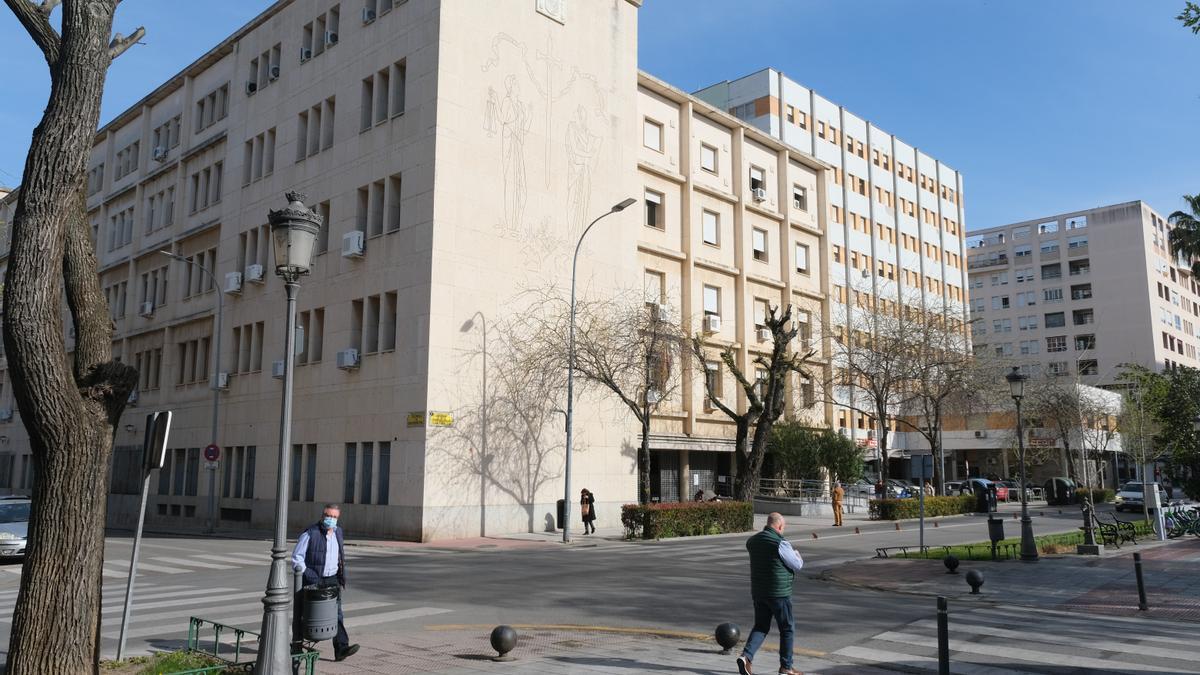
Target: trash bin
(320, 612)
(995, 529)
(562, 508)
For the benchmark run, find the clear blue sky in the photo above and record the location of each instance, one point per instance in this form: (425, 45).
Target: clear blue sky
(1044, 106)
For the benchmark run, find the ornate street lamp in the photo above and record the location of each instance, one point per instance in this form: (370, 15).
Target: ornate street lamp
(294, 231)
(1016, 386)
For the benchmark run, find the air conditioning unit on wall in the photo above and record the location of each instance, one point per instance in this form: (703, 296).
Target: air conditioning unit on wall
(233, 283)
(347, 359)
(352, 244)
(255, 274)
(712, 323)
(981, 434)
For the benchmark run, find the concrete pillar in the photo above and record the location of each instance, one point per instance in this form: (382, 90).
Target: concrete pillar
(685, 478)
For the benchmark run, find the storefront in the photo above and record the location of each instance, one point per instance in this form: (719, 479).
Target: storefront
(681, 466)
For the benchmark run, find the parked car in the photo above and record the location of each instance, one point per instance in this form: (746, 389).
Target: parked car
(14, 527)
(1012, 489)
(1061, 491)
(1131, 496)
(954, 487)
(860, 488)
(898, 489)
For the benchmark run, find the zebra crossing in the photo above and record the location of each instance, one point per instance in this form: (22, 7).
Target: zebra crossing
(161, 611)
(724, 554)
(993, 640)
(190, 561)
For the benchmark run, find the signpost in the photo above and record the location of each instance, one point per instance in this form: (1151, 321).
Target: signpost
(154, 454)
(921, 468)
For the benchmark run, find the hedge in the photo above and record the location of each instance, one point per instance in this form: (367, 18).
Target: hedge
(1099, 495)
(685, 519)
(896, 509)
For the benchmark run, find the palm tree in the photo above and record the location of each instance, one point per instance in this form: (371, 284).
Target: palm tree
(1185, 238)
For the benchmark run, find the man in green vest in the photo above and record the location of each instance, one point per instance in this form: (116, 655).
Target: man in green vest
(773, 564)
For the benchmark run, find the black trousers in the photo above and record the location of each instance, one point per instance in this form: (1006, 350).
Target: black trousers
(341, 640)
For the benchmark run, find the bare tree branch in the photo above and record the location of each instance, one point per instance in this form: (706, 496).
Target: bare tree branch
(120, 43)
(36, 20)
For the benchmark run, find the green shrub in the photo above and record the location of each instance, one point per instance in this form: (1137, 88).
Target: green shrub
(685, 519)
(1099, 495)
(897, 509)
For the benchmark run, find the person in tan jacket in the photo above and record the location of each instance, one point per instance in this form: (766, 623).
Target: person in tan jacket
(838, 494)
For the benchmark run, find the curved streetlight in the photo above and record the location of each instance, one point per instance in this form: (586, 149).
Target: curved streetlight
(1016, 385)
(214, 384)
(484, 459)
(617, 208)
(294, 231)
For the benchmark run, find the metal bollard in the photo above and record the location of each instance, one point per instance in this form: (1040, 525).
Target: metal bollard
(943, 628)
(1137, 569)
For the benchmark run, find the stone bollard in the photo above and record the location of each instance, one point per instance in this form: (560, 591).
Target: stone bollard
(975, 580)
(728, 635)
(503, 639)
(951, 563)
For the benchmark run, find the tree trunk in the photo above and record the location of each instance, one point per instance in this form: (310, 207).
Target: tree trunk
(644, 461)
(69, 411)
(745, 484)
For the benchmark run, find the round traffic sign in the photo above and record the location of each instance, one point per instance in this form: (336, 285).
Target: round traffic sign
(212, 452)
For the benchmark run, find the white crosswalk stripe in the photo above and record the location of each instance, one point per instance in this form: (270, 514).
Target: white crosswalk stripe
(1018, 639)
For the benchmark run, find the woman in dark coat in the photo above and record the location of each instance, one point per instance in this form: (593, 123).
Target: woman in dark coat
(587, 507)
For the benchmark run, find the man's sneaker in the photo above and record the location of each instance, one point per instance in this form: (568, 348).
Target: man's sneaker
(342, 654)
(789, 671)
(744, 666)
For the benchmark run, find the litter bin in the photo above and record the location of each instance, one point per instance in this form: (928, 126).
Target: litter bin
(562, 508)
(982, 500)
(995, 530)
(320, 612)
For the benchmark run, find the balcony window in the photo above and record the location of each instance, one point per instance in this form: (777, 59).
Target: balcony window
(1083, 317)
(1056, 343)
(1056, 320)
(1081, 292)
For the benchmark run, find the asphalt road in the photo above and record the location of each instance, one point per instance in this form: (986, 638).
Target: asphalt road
(687, 585)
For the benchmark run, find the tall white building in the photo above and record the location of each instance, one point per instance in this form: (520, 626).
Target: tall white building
(897, 219)
(1078, 294)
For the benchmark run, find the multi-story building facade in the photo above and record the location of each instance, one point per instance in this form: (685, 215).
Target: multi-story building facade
(896, 213)
(456, 151)
(1078, 294)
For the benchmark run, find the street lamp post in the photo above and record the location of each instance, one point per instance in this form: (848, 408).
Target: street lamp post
(1016, 385)
(294, 231)
(211, 522)
(617, 208)
(484, 459)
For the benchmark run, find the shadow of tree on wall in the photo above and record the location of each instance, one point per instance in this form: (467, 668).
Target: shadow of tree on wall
(507, 433)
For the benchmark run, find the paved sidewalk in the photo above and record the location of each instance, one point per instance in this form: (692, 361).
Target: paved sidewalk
(1104, 585)
(558, 650)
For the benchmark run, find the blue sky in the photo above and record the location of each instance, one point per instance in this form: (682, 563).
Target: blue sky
(1045, 106)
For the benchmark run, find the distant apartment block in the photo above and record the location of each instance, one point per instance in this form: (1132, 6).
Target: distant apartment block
(896, 213)
(1078, 294)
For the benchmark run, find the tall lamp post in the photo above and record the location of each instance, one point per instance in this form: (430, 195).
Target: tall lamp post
(216, 401)
(1016, 385)
(294, 231)
(484, 459)
(617, 208)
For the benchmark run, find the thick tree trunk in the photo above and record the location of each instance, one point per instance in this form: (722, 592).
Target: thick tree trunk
(644, 461)
(69, 412)
(745, 483)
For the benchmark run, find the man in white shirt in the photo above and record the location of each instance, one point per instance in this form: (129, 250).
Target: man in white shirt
(319, 555)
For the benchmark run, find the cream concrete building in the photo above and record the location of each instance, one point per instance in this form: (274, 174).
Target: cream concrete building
(1077, 294)
(456, 150)
(896, 213)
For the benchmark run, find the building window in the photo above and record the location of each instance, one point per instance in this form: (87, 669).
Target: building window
(654, 209)
(653, 288)
(1022, 251)
(1081, 292)
(1078, 267)
(1048, 227)
(712, 383)
(710, 224)
(1085, 342)
(708, 158)
(800, 197)
(759, 244)
(757, 179)
(1056, 343)
(1057, 368)
(1088, 367)
(1052, 295)
(1078, 222)
(652, 134)
(1020, 233)
(802, 258)
(999, 302)
(1083, 317)
(712, 301)
(1055, 320)
(1077, 242)
(1027, 322)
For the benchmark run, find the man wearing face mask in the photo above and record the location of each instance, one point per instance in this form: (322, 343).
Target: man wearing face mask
(319, 556)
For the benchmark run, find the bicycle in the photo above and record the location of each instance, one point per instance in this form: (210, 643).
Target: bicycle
(1181, 522)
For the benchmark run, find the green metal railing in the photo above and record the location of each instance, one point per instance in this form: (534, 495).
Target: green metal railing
(307, 657)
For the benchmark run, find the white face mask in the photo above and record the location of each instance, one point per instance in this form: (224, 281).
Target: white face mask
(329, 522)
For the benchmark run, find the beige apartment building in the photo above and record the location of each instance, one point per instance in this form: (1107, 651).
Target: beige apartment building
(896, 213)
(456, 151)
(1078, 294)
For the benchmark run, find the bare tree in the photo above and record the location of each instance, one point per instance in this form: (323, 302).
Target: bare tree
(70, 407)
(766, 393)
(624, 346)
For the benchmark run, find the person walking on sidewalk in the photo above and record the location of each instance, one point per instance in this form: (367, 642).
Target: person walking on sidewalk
(773, 565)
(587, 508)
(839, 493)
(319, 556)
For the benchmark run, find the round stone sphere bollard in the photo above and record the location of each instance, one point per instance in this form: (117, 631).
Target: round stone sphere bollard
(728, 635)
(951, 563)
(975, 580)
(503, 639)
